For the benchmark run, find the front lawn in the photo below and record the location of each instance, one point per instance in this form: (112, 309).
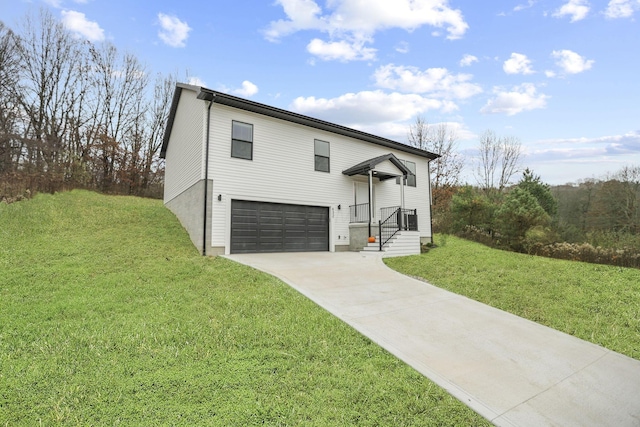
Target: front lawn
(108, 316)
(597, 303)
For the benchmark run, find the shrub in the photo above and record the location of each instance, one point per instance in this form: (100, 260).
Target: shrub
(519, 212)
(585, 252)
(469, 207)
(478, 235)
(614, 239)
(539, 235)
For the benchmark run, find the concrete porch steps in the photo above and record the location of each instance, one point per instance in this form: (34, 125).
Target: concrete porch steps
(402, 244)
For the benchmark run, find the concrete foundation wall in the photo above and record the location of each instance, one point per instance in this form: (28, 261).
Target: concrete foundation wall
(215, 251)
(188, 207)
(359, 235)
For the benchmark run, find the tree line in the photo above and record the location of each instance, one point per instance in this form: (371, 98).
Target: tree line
(595, 220)
(74, 114)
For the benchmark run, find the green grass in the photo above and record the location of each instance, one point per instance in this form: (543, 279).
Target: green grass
(594, 302)
(108, 316)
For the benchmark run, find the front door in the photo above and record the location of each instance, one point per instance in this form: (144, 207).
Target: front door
(361, 192)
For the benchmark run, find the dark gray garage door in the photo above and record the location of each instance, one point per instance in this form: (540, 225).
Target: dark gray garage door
(274, 227)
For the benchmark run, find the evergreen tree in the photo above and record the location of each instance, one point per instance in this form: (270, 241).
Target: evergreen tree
(539, 190)
(519, 212)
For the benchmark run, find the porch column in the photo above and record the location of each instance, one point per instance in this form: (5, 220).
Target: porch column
(402, 183)
(370, 200)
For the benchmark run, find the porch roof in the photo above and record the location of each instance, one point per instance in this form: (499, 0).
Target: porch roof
(363, 168)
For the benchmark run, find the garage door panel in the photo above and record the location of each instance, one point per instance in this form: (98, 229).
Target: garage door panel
(272, 227)
(244, 235)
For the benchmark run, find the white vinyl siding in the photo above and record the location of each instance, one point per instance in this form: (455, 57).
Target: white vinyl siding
(280, 172)
(387, 167)
(184, 158)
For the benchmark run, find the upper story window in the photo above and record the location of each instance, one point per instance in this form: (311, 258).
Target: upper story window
(411, 179)
(321, 151)
(242, 140)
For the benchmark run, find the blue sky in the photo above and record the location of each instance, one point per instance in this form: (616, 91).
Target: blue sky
(561, 75)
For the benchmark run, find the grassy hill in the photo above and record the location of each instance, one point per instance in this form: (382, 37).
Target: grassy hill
(108, 315)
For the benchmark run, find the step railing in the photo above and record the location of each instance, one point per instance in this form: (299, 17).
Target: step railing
(394, 219)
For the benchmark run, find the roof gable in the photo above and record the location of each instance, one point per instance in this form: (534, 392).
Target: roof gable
(363, 168)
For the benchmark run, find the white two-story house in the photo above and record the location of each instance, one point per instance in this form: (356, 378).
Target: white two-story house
(247, 177)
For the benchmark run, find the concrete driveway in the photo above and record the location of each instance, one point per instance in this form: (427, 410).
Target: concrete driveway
(510, 370)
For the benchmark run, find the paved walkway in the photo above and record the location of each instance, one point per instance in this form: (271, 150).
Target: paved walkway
(510, 370)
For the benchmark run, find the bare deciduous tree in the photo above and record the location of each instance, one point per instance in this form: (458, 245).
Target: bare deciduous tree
(498, 160)
(445, 171)
(440, 139)
(50, 80)
(73, 114)
(8, 104)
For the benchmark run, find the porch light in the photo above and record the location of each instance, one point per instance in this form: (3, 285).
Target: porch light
(219, 197)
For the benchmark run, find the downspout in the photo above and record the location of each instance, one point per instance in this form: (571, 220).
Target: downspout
(206, 96)
(370, 200)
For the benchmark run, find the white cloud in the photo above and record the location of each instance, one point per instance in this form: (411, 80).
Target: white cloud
(247, 90)
(517, 64)
(355, 22)
(577, 9)
(571, 62)
(622, 8)
(630, 140)
(438, 82)
(397, 131)
(78, 23)
(341, 50)
(550, 73)
(358, 17)
(173, 32)
(302, 14)
(518, 99)
(611, 148)
(560, 161)
(467, 60)
(402, 47)
(54, 3)
(196, 81)
(520, 7)
(368, 108)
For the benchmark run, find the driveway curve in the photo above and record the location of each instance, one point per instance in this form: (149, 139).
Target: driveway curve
(510, 370)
